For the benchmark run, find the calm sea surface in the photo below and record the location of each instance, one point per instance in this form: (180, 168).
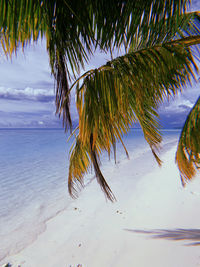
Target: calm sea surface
(33, 180)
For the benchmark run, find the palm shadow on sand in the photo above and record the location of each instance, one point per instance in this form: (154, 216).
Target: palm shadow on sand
(175, 235)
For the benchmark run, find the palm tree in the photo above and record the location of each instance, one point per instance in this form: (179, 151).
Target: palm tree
(159, 40)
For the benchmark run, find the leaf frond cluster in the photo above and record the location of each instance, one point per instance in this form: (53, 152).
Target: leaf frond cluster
(129, 89)
(74, 28)
(188, 151)
(161, 41)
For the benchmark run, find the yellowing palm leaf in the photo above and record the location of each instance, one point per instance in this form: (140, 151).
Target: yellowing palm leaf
(157, 34)
(188, 151)
(128, 89)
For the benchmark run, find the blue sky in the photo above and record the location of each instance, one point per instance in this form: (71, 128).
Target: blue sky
(27, 91)
(27, 95)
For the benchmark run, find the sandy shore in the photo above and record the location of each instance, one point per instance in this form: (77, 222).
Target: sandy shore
(96, 233)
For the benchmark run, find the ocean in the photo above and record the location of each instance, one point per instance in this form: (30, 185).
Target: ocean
(33, 179)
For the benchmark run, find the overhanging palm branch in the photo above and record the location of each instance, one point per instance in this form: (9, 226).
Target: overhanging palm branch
(73, 28)
(188, 151)
(174, 27)
(127, 89)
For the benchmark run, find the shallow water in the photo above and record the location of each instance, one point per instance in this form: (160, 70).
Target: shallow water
(33, 179)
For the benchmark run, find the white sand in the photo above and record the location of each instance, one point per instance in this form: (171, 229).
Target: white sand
(92, 232)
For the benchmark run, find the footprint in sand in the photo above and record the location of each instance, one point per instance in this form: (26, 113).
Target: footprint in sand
(119, 212)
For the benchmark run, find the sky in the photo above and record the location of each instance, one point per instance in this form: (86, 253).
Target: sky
(27, 95)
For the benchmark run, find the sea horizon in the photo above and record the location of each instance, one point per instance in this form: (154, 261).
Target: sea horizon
(58, 128)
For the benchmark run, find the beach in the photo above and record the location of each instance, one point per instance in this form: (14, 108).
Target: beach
(97, 100)
(154, 222)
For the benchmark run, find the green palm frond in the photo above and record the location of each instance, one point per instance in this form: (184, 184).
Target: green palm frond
(188, 151)
(174, 27)
(81, 158)
(73, 28)
(161, 39)
(129, 89)
(20, 22)
(120, 20)
(99, 22)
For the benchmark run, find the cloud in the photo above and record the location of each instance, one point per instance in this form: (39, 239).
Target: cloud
(41, 95)
(179, 105)
(195, 5)
(174, 112)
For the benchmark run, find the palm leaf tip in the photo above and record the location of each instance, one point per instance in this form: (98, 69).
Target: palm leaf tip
(74, 186)
(159, 161)
(81, 158)
(100, 178)
(78, 165)
(186, 166)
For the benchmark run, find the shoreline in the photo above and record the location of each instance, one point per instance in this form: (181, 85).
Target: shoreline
(78, 234)
(43, 225)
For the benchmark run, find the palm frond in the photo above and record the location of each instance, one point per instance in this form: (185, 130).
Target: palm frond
(61, 74)
(161, 38)
(120, 19)
(174, 27)
(188, 151)
(20, 22)
(129, 89)
(101, 180)
(81, 158)
(79, 164)
(73, 28)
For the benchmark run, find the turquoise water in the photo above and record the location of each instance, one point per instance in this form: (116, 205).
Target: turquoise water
(33, 179)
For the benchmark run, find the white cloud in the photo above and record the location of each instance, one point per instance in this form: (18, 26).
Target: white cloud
(42, 95)
(179, 105)
(183, 102)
